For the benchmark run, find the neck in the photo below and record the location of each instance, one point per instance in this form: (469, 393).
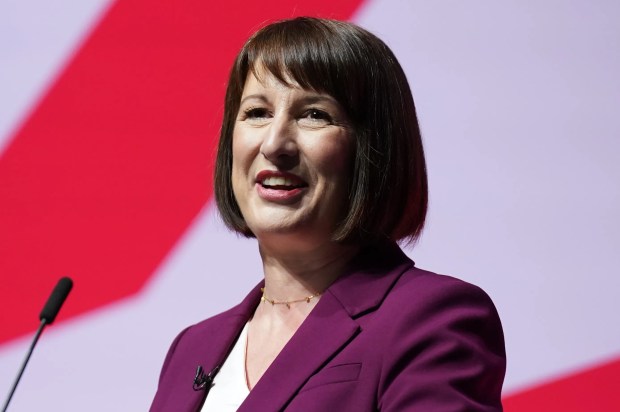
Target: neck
(295, 275)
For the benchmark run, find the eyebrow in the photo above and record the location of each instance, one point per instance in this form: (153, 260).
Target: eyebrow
(258, 96)
(316, 98)
(313, 98)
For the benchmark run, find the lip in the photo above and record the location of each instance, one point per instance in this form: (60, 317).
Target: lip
(280, 195)
(264, 174)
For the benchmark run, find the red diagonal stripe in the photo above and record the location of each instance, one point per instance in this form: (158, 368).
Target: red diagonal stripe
(116, 160)
(595, 389)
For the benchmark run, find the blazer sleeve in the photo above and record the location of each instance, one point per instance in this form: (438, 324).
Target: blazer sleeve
(448, 352)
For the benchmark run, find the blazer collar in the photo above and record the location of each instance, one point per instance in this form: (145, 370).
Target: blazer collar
(329, 327)
(370, 276)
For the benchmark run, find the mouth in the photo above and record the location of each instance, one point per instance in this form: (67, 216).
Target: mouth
(276, 180)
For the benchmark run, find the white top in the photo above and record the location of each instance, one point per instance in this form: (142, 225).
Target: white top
(230, 387)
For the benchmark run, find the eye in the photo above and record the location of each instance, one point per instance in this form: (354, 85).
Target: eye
(256, 113)
(316, 116)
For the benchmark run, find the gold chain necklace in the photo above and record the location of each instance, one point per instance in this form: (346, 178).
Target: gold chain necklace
(288, 303)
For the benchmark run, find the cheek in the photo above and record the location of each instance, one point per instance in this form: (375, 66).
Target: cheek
(242, 153)
(333, 157)
(237, 150)
(240, 164)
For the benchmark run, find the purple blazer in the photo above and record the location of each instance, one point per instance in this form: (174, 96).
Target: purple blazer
(386, 336)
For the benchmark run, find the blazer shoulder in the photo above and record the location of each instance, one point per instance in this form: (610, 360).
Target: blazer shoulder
(211, 324)
(445, 330)
(433, 287)
(444, 302)
(197, 337)
(224, 323)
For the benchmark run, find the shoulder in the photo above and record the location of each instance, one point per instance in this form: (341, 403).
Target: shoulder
(200, 338)
(444, 330)
(429, 291)
(209, 326)
(385, 278)
(206, 342)
(433, 307)
(221, 327)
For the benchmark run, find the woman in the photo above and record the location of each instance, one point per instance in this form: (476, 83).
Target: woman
(320, 159)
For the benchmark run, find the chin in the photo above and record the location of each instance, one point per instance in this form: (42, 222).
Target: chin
(297, 236)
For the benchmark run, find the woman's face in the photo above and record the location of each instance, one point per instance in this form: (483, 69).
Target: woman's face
(292, 153)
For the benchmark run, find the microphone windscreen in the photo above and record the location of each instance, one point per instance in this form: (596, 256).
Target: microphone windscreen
(56, 299)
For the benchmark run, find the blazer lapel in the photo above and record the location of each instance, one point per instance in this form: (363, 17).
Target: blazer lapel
(327, 329)
(370, 277)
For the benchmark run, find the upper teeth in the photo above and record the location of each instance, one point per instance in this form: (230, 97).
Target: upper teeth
(277, 181)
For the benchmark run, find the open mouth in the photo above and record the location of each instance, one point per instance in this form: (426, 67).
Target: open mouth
(279, 180)
(281, 183)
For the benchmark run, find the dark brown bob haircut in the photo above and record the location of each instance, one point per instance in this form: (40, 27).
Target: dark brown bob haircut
(388, 192)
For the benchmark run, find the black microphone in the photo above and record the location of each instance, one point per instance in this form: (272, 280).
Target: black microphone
(202, 381)
(47, 316)
(55, 301)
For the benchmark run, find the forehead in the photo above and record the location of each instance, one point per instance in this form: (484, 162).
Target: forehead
(266, 87)
(259, 76)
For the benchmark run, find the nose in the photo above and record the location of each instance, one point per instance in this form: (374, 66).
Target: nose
(279, 145)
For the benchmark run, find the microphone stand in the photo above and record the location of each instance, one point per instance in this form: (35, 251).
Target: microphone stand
(47, 316)
(21, 371)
